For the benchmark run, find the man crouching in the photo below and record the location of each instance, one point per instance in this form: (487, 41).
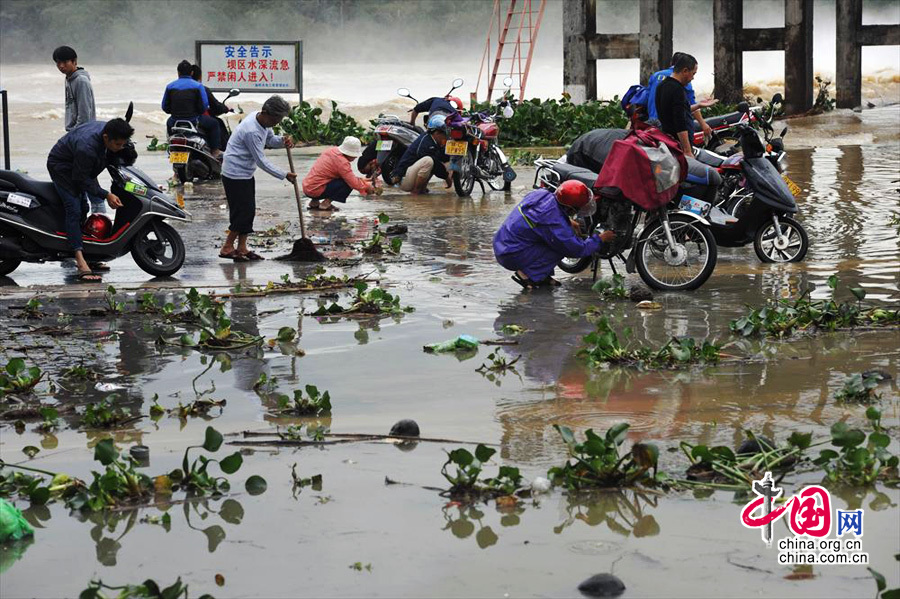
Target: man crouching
(539, 233)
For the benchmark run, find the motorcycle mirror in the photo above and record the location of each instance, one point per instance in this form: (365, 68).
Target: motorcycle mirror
(507, 82)
(783, 132)
(743, 107)
(233, 92)
(777, 99)
(402, 91)
(129, 112)
(457, 83)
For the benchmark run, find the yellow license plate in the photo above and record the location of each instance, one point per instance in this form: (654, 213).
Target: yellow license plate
(795, 189)
(179, 157)
(456, 148)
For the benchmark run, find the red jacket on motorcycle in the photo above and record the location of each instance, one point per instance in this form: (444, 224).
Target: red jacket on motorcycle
(647, 166)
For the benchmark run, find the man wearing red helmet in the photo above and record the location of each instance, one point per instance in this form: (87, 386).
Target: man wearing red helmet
(539, 233)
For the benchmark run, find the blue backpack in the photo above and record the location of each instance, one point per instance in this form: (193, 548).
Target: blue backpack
(636, 97)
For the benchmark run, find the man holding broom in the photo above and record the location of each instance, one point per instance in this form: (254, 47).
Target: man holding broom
(243, 155)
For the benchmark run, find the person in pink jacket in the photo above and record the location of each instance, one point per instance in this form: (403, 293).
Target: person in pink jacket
(331, 177)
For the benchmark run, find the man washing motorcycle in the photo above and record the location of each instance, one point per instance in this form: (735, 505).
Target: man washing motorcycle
(74, 163)
(541, 231)
(423, 158)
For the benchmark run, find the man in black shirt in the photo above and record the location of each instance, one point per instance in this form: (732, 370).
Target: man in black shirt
(672, 103)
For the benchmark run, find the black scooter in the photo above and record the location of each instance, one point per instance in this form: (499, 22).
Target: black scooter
(757, 199)
(190, 153)
(32, 221)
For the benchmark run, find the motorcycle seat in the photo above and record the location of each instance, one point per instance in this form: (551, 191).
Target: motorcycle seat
(567, 172)
(707, 157)
(44, 190)
(723, 119)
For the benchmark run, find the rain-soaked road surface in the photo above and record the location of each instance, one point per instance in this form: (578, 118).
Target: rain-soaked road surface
(276, 544)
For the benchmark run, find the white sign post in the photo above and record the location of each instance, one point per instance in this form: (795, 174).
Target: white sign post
(251, 66)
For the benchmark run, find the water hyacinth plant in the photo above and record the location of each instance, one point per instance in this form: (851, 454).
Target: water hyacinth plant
(784, 317)
(596, 462)
(605, 347)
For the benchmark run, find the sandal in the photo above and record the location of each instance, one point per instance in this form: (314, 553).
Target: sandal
(89, 276)
(240, 257)
(227, 255)
(99, 266)
(253, 256)
(527, 283)
(330, 208)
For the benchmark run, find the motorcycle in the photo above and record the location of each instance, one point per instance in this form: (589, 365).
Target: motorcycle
(32, 217)
(758, 198)
(672, 248)
(189, 151)
(474, 152)
(724, 139)
(392, 137)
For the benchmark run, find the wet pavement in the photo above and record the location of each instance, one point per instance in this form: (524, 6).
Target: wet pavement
(276, 544)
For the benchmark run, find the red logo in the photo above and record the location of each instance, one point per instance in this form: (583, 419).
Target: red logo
(810, 510)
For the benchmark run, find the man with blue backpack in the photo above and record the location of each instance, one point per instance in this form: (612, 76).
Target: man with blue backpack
(642, 99)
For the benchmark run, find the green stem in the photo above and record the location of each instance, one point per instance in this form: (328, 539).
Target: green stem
(28, 468)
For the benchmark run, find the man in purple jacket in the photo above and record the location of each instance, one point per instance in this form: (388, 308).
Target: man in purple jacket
(539, 233)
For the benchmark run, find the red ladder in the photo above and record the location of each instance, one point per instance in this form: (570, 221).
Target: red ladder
(520, 35)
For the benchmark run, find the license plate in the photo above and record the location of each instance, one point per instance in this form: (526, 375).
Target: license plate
(456, 148)
(179, 157)
(795, 189)
(18, 200)
(698, 207)
(384, 144)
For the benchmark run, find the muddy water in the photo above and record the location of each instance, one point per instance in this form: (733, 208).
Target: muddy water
(278, 544)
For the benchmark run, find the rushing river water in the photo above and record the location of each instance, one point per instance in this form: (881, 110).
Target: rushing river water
(282, 544)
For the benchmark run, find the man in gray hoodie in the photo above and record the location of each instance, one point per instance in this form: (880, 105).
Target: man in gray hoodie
(80, 107)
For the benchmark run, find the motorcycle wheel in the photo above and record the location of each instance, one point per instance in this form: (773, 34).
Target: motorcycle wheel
(388, 166)
(498, 183)
(576, 265)
(181, 172)
(7, 265)
(764, 243)
(464, 177)
(158, 249)
(661, 270)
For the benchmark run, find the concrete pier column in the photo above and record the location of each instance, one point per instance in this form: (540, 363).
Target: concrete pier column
(728, 27)
(798, 56)
(655, 36)
(579, 68)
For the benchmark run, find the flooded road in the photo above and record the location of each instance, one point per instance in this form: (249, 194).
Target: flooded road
(286, 544)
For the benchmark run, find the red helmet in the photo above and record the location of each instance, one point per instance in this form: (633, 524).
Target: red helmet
(455, 100)
(97, 226)
(574, 194)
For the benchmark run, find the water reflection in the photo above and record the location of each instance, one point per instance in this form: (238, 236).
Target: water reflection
(464, 520)
(623, 512)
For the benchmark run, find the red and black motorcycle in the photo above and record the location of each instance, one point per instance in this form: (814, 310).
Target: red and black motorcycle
(725, 138)
(474, 152)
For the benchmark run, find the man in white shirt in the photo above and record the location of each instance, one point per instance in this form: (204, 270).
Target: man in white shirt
(243, 155)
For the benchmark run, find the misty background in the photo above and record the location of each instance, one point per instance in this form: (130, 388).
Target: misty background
(447, 36)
